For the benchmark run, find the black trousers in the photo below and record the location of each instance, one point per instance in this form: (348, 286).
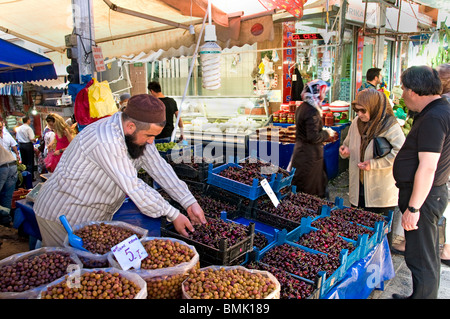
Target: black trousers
(422, 244)
(27, 155)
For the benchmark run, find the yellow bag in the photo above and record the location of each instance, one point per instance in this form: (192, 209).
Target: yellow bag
(101, 100)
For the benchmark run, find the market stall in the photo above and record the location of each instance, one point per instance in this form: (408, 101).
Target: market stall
(257, 229)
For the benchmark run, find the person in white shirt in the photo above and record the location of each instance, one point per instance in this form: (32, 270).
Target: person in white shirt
(99, 169)
(8, 142)
(25, 137)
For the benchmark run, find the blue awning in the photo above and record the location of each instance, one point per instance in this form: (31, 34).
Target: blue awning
(18, 64)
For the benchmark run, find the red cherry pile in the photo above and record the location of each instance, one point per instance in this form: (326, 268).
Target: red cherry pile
(359, 216)
(211, 233)
(299, 262)
(340, 226)
(326, 242)
(291, 287)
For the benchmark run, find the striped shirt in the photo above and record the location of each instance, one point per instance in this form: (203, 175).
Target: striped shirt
(95, 174)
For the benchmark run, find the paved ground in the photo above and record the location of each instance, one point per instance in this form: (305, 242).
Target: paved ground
(402, 282)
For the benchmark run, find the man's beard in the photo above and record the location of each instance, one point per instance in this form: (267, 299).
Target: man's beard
(134, 149)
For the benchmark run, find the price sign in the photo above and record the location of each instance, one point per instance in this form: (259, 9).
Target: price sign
(129, 253)
(269, 191)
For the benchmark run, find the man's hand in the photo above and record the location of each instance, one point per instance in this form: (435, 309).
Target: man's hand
(409, 220)
(196, 214)
(181, 223)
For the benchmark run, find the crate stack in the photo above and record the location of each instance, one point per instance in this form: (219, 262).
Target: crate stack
(290, 226)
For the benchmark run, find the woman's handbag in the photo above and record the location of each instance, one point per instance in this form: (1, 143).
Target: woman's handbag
(381, 147)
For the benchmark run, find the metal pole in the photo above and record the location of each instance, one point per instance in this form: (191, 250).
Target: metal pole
(83, 22)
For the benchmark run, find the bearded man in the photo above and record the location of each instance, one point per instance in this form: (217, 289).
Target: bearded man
(99, 169)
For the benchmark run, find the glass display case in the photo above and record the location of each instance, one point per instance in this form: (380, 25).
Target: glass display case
(224, 123)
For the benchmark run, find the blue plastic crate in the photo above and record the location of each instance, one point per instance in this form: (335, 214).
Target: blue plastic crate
(360, 251)
(382, 228)
(267, 231)
(326, 282)
(252, 192)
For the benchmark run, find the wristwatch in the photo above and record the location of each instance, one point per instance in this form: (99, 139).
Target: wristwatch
(412, 209)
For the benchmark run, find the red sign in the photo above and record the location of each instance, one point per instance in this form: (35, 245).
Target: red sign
(294, 7)
(359, 59)
(307, 36)
(288, 58)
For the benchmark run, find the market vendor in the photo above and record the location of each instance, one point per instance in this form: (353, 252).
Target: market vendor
(99, 169)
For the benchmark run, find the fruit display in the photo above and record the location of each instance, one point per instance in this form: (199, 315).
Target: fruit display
(99, 238)
(288, 210)
(250, 169)
(164, 147)
(291, 287)
(260, 241)
(216, 229)
(23, 272)
(233, 282)
(326, 242)
(339, 226)
(211, 205)
(97, 284)
(307, 201)
(300, 262)
(359, 216)
(168, 263)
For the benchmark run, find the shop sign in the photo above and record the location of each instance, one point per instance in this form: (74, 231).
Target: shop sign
(359, 59)
(98, 59)
(289, 59)
(307, 36)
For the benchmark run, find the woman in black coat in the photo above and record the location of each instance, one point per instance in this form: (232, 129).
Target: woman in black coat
(310, 176)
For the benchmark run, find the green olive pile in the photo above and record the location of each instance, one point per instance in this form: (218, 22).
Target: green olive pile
(232, 283)
(100, 238)
(94, 285)
(33, 271)
(163, 253)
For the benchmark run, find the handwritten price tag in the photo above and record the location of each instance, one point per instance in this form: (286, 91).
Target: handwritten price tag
(129, 253)
(269, 191)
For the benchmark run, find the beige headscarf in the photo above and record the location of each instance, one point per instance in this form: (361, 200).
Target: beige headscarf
(381, 116)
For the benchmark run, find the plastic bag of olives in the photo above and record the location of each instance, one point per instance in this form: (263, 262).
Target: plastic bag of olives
(230, 282)
(168, 263)
(99, 237)
(24, 274)
(104, 283)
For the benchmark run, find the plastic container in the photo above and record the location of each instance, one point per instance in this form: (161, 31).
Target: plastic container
(276, 117)
(291, 117)
(249, 191)
(340, 110)
(329, 119)
(93, 260)
(224, 255)
(34, 292)
(164, 283)
(275, 294)
(140, 283)
(283, 117)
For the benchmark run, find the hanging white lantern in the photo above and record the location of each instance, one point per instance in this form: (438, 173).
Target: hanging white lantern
(210, 61)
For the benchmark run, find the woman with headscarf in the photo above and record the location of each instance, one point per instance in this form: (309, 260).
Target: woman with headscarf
(371, 183)
(307, 159)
